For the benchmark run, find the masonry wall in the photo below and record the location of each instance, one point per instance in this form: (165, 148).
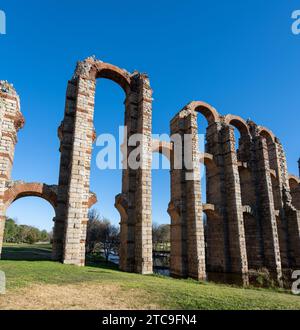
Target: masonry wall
(11, 120)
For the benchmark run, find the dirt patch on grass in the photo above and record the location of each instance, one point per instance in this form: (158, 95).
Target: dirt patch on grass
(78, 296)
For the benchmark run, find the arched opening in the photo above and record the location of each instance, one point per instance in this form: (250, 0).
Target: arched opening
(134, 197)
(207, 142)
(242, 137)
(161, 195)
(28, 230)
(270, 141)
(106, 160)
(215, 230)
(106, 171)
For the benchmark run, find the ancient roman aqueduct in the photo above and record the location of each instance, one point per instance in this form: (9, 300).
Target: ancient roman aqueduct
(253, 204)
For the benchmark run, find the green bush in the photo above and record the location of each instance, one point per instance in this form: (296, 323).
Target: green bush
(14, 233)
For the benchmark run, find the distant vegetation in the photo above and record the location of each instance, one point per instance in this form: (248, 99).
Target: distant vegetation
(161, 237)
(102, 236)
(14, 233)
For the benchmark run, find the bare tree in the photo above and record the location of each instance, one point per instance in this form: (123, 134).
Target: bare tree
(109, 238)
(101, 232)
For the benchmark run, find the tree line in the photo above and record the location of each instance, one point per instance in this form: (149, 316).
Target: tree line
(102, 236)
(14, 233)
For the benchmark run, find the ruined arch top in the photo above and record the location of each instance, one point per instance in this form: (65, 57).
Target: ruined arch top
(209, 112)
(19, 189)
(267, 134)
(91, 68)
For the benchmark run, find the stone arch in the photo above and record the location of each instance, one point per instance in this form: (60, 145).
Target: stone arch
(239, 123)
(294, 183)
(76, 135)
(271, 140)
(294, 180)
(209, 112)
(18, 189)
(243, 145)
(21, 189)
(267, 134)
(93, 69)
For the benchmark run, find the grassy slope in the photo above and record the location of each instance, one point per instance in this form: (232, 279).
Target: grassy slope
(165, 292)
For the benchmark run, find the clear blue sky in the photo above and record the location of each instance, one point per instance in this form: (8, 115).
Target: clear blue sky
(240, 56)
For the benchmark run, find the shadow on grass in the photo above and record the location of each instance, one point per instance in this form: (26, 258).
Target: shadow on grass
(95, 260)
(26, 253)
(39, 253)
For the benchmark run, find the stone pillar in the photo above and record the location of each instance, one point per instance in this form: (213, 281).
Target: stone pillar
(293, 217)
(65, 134)
(266, 209)
(11, 120)
(143, 224)
(185, 208)
(217, 238)
(194, 212)
(78, 177)
(290, 216)
(178, 245)
(235, 223)
(76, 134)
(125, 203)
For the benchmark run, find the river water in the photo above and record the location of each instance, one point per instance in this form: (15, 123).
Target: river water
(157, 262)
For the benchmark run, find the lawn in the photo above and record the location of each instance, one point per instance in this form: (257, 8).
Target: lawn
(35, 282)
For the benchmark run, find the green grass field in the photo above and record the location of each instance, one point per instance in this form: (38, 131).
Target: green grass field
(33, 281)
